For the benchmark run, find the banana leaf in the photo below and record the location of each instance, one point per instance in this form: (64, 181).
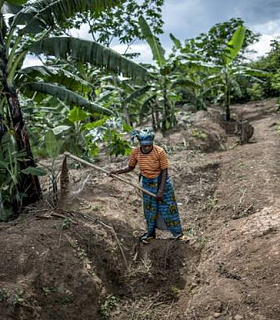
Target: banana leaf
(54, 74)
(235, 44)
(45, 14)
(157, 50)
(91, 52)
(65, 95)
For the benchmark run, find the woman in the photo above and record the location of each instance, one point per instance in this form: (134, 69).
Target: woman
(161, 211)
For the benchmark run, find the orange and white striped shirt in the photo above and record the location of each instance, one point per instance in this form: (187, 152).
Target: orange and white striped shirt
(150, 164)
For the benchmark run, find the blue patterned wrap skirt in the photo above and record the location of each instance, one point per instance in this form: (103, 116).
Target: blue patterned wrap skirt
(164, 214)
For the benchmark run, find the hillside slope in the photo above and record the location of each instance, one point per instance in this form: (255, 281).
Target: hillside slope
(84, 261)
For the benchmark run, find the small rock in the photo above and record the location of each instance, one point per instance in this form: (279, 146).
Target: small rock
(217, 314)
(238, 317)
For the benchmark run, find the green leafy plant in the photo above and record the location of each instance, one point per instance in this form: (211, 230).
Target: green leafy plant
(108, 305)
(161, 99)
(3, 295)
(48, 290)
(108, 134)
(31, 29)
(11, 173)
(211, 45)
(17, 298)
(209, 66)
(66, 224)
(198, 134)
(256, 91)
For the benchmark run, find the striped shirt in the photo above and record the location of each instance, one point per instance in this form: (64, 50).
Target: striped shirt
(150, 164)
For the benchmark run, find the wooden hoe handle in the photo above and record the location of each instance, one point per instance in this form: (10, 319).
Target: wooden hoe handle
(68, 154)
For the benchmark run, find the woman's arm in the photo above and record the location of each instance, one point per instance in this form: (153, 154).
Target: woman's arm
(131, 165)
(162, 184)
(124, 170)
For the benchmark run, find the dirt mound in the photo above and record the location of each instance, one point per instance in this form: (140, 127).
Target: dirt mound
(74, 266)
(59, 267)
(203, 132)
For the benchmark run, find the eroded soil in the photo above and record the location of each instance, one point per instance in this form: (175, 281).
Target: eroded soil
(84, 261)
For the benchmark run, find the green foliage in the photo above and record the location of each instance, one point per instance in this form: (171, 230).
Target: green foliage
(17, 298)
(198, 134)
(52, 144)
(66, 224)
(108, 305)
(275, 81)
(117, 145)
(10, 170)
(45, 14)
(17, 2)
(90, 52)
(271, 64)
(176, 41)
(3, 294)
(208, 67)
(108, 135)
(64, 94)
(121, 23)
(211, 45)
(55, 74)
(157, 50)
(235, 44)
(29, 29)
(77, 114)
(34, 171)
(161, 99)
(256, 91)
(195, 80)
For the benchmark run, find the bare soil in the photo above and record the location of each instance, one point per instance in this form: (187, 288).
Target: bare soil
(84, 261)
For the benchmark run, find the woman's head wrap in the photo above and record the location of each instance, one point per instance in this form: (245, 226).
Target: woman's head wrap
(145, 136)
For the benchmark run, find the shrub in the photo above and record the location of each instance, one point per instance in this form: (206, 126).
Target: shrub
(255, 92)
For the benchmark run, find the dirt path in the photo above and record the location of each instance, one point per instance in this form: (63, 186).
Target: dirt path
(84, 261)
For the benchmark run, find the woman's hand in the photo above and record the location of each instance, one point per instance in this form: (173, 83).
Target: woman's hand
(121, 171)
(113, 172)
(159, 195)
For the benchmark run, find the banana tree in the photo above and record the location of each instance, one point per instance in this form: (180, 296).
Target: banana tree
(161, 92)
(231, 52)
(230, 72)
(194, 79)
(182, 77)
(29, 30)
(123, 95)
(213, 77)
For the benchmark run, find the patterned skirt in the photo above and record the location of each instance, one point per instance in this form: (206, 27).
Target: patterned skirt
(164, 214)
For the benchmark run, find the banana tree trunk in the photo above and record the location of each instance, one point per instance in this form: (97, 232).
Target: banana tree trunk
(157, 115)
(227, 99)
(165, 119)
(126, 114)
(169, 119)
(29, 185)
(154, 123)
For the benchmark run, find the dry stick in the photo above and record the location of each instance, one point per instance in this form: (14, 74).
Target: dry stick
(118, 241)
(68, 154)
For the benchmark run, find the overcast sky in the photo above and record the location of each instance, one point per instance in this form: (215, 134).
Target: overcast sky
(188, 18)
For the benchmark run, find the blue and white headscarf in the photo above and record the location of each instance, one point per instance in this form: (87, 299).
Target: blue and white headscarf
(145, 136)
